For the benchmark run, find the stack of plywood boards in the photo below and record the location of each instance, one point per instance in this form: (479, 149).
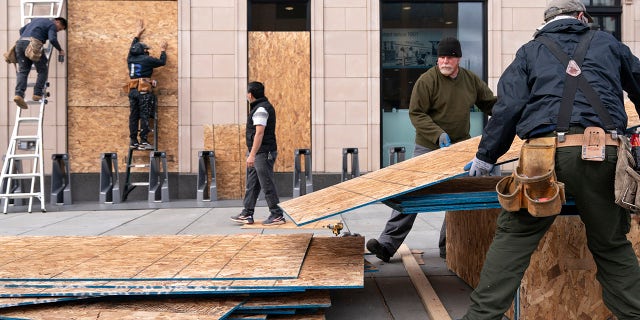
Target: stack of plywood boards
(176, 277)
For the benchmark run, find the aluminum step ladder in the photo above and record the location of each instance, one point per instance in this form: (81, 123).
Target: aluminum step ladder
(25, 143)
(129, 184)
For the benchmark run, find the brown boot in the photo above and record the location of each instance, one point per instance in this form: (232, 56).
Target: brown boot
(36, 97)
(20, 102)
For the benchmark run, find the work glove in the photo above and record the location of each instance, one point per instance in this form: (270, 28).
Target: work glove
(444, 140)
(479, 168)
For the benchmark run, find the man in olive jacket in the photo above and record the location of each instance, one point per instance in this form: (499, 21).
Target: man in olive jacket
(439, 109)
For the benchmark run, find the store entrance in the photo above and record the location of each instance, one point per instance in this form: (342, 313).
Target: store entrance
(410, 33)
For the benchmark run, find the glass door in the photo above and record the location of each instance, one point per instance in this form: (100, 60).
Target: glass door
(410, 33)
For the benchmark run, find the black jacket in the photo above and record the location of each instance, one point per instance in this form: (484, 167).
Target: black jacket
(269, 140)
(141, 65)
(530, 89)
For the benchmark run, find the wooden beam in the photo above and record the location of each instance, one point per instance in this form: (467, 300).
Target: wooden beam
(429, 298)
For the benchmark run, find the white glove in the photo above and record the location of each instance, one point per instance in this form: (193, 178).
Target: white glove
(478, 168)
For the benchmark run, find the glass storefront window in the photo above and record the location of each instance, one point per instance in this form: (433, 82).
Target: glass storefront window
(410, 33)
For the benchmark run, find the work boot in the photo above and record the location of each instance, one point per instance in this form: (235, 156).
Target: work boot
(379, 250)
(36, 98)
(20, 102)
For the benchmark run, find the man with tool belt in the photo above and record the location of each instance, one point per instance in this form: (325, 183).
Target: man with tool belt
(567, 80)
(142, 101)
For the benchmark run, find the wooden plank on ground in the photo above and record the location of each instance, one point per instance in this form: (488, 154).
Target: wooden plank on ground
(315, 225)
(429, 298)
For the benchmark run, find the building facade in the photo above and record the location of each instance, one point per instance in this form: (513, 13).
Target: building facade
(339, 72)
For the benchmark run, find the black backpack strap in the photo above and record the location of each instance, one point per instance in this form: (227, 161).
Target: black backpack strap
(575, 80)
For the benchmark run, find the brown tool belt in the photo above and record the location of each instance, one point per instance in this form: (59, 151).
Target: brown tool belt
(573, 140)
(143, 85)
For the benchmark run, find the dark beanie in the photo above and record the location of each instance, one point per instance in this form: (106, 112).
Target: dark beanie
(449, 47)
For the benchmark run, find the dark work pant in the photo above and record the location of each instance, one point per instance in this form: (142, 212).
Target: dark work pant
(606, 225)
(142, 107)
(399, 224)
(24, 66)
(260, 177)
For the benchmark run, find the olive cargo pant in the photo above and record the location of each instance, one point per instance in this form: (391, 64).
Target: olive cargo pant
(606, 224)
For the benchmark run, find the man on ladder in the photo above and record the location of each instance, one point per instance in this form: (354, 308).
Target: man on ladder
(142, 101)
(29, 51)
(25, 144)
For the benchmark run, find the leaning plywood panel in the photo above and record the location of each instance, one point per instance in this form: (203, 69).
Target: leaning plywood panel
(409, 175)
(413, 174)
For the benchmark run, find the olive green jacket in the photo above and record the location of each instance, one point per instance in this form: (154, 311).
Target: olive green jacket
(442, 104)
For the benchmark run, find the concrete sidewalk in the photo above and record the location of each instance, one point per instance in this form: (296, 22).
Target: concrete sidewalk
(387, 294)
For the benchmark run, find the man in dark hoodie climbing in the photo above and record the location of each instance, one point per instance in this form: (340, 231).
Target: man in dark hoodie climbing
(142, 101)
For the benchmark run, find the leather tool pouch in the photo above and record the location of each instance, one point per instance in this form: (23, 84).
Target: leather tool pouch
(34, 50)
(144, 85)
(627, 179)
(593, 144)
(533, 185)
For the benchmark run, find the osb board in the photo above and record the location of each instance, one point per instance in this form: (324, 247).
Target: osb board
(96, 130)
(560, 281)
(152, 258)
(403, 177)
(208, 307)
(469, 235)
(99, 36)
(87, 314)
(331, 263)
(282, 61)
(228, 143)
(162, 307)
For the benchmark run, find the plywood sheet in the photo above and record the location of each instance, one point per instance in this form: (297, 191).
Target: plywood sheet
(407, 176)
(282, 61)
(330, 263)
(560, 282)
(98, 109)
(97, 130)
(153, 258)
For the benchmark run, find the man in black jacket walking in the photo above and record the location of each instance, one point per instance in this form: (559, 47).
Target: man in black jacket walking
(262, 150)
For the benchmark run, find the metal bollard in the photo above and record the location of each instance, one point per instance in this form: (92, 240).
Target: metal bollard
(60, 179)
(297, 174)
(396, 154)
(158, 177)
(355, 171)
(109, 178)
(207, 189)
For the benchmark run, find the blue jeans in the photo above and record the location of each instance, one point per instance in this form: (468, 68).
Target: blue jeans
(260, 177)
(24, 66)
